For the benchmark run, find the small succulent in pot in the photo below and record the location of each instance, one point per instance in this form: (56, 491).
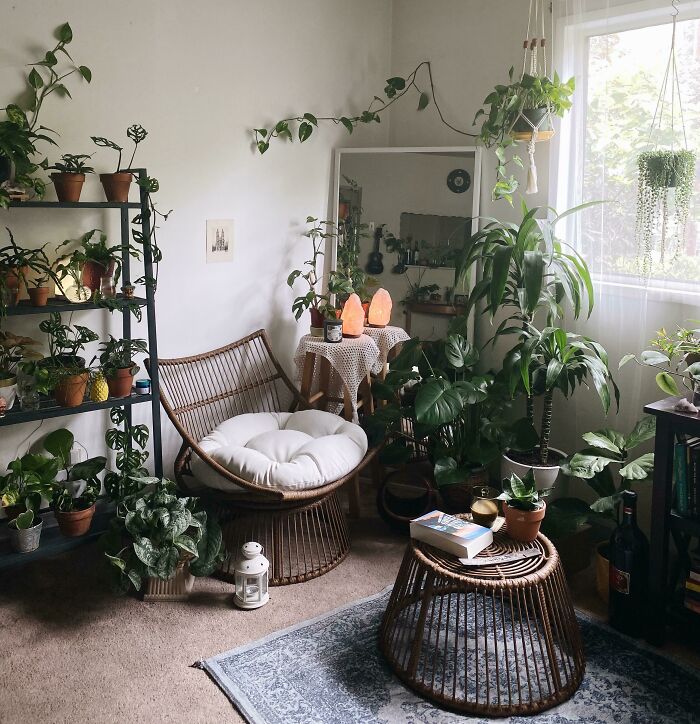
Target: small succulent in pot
(117, 362)
(523, 506)
(69, 175)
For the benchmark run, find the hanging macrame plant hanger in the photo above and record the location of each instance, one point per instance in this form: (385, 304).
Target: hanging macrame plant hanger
(666, 176)
(535, 124)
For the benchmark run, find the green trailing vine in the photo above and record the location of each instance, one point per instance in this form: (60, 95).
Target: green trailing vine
(665, 186)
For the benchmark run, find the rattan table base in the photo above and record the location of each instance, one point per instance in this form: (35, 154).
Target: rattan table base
(494, 640)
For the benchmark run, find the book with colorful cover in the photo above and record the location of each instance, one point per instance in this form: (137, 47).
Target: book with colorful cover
(451, 534)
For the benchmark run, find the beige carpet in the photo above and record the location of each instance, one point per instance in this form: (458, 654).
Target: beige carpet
(73, 652)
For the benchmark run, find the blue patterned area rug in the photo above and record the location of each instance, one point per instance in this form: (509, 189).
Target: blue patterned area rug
(329, 671)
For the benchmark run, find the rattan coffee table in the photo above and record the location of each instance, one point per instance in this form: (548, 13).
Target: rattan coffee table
(497, 640)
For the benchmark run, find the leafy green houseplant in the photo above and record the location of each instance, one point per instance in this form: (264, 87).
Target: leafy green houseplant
(677, 356)
(74, 513)
(21, 131)
(69, 175)
(156, 534)
(116, 185)
(128, 443)
(13, 349)
(117, 363)
(523, 506)
(665, 185)
(25, 531)
(28, 480)
(516, 108)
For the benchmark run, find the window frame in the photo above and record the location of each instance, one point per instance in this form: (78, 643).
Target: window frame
(567, 157)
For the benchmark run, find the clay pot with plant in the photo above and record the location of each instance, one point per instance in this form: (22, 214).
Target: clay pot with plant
(66, 368)
(116, 185)
(117, 363)
(39, 290)
(69, 175)
(523, 507)
(74, 513)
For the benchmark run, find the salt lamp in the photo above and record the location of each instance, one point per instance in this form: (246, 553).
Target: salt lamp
(380, 309)
(353, 317)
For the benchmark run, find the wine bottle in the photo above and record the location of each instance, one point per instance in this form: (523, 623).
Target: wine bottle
(629, 570)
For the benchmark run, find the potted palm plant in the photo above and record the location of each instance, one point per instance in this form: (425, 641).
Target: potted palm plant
(74, 513)
(523, 506)
(66, 367)
(117, 363)
(116, 185)
(69, 175)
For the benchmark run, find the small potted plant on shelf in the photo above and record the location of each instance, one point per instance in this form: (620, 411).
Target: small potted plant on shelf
(16, 263)
(28, 481)
(25, 531)
(677, 356)
(13, 349)
(116, 185)
(69, 175)
(39, 290)
(318, 304)
(74, 513)
(157, 536)
(523, 506)
(117, 363)
(69, 378)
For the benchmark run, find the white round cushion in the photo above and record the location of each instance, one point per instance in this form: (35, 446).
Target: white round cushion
(283, 450)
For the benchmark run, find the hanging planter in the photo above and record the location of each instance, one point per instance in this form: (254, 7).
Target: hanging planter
(665, 182)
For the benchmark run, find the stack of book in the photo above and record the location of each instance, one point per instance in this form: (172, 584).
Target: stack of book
(686, 475)
(691, 597)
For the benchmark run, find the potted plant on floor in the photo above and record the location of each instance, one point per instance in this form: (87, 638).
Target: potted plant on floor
(318, 304)
(69, 378)
(29, 480)
(523, 506)
(74, 498)
(677, 356)
(117, 363)
(540, 364)
(21, 131)
(157, 535)
(69, 175)
(13, 350)
(25, 531)
(116, 185)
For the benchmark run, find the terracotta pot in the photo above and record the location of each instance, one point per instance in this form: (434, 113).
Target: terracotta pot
(523, 525)
(602, 571)
(120, 382)
(13, 275)
(458, 496)
(316, 322)
(545, 475)
(39, 296)
(68, 185)
(92, 273)
(116, 186)
(70, 391)
(76, 522)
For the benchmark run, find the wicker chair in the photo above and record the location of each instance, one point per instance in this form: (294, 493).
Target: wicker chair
(304, 532)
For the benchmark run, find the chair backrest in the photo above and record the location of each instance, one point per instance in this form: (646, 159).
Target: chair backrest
(202, 391)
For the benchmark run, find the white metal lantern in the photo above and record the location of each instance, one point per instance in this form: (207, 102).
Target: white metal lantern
(251, 572)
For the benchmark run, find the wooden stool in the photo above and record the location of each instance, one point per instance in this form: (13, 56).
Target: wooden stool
(496, 640)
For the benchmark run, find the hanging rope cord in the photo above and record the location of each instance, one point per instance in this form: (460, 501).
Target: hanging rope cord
(672, 70)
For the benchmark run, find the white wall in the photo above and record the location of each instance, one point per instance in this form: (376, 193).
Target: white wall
(198, 76)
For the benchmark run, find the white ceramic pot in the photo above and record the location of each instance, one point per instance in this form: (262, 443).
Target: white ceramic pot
(8, 392)
(545, 475)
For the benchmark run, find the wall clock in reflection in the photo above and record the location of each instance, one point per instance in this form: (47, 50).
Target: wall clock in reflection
(458, 181)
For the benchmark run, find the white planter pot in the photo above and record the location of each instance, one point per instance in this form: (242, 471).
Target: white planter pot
(8, 393)
(545, 475)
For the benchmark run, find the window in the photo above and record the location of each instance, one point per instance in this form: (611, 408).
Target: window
(619, 64)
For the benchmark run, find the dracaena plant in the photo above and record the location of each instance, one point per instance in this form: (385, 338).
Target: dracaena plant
(21, 131)
(59, 444)
(522, 493)
(677, 356)
(70, 163)
(154, 531)
(116, 354)
(606, 450)
(554, 359)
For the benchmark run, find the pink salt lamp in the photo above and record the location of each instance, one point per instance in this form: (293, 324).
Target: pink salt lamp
(353, 317)
(380, 309)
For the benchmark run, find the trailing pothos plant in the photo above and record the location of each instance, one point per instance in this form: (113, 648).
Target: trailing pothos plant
(462, 417)
(154, 531)
(28, 479)
(605, 450)
(554, 359)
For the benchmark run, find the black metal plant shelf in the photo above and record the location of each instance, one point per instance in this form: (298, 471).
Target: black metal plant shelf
(74, 205)
(48, 408)
(61, 304)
